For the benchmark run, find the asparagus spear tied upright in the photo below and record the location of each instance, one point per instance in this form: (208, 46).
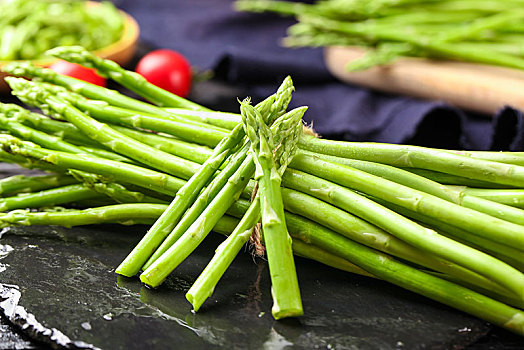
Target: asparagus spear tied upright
(273, 106)
(284, 281)
(158, 270)
(226, 252)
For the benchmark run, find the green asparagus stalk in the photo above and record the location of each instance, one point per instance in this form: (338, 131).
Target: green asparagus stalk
(516, 158)
(112, 170)
(70, 133)
(28, 163)
(449, 179)
(273, 107)
(478, 223)
(63, 130)
(407, 230)
(512, 197)
(171, 124)
(125, 214)
(117, 192)
(48, 198)
(30, 93)
(162, 267)
(183, 149)
(23, 132)
(52, 142)
(228, 250)
(131, 80)
(312, 252)
(389, 269)
(22, 184)
(88, 90)
(420, 157)
(221, 119)
(285, 290)
(457, 196)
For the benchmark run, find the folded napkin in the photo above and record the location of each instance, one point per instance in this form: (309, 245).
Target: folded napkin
(244, 49)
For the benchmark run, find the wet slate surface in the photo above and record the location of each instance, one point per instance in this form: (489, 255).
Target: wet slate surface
(66, 280)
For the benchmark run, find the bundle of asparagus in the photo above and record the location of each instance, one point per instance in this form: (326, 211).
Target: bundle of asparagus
(445, 224)
(487, 32)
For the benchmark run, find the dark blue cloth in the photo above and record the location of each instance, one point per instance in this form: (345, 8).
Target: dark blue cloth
(244, 49)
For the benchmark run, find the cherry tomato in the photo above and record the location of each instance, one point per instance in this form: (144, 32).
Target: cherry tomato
(78, 72)
(166, 69)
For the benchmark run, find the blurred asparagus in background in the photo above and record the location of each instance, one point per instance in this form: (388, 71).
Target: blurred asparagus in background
(29, 28)
(485, 31)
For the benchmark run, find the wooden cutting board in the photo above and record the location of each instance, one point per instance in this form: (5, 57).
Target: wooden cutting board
(473, 87)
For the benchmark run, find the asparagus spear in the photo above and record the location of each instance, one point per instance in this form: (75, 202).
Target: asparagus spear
(391, 270)
(273, 107)
(63, 130)
(285, 289)
(206, 282)
(112, 170)
(70, 133)
(48, 198)
(171, 124)
(419, 157)
(31, 94)
(91, 91)
(221, 119)
(407, 230)
(115, 191)
(478, 223)
(52, 142)
(512, 197)
(457, 196)
(22, 184)
(131, 80)
(162, 267)
(449, 179)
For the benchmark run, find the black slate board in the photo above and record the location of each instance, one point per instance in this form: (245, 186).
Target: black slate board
(66, 280)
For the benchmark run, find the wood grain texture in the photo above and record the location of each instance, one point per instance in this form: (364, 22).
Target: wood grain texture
(473, 87)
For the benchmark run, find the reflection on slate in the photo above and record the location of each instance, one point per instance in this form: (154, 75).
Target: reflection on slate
(66, 280)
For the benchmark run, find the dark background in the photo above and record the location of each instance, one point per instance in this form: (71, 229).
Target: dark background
(243, 53)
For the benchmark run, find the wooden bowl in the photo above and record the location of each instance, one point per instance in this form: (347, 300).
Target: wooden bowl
(121, 51)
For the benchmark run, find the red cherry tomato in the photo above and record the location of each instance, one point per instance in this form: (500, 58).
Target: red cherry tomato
(166, 69)
(78, 72)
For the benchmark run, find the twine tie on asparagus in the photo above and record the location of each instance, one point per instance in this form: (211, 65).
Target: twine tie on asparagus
(255, 239)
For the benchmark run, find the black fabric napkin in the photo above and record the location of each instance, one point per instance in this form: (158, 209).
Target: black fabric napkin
(244, 49)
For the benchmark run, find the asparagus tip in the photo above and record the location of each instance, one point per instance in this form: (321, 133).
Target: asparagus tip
(70, 53)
